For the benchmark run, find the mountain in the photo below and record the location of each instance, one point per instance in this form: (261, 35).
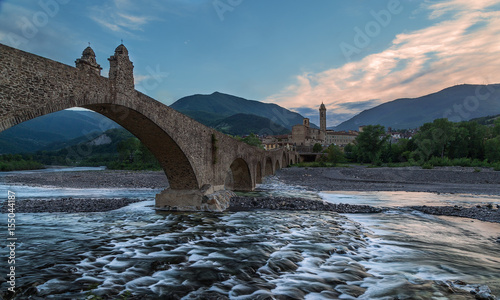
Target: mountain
(229, 114)
(457, 103)
(53, 131)
(243, 124)
(207, 108)
(110, 148)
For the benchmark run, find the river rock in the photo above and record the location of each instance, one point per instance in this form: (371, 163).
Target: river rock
(69, 205)
(285, 203)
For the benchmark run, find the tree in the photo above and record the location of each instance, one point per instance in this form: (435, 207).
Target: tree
(370, 142)
(351, 152)
(400, 150)
(334, 154)
(252, 140)
(469, 141)
(496, 128)
(443, 132)
(146, 155)
(460, 145)
(317, 148)
(492, 149)
(434, 139)
(128, 148)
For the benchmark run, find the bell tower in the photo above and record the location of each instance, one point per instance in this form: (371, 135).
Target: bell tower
(322, 117)
(88, 62)
(121, 69)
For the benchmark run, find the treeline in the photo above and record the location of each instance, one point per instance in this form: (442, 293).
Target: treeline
(15, 162)
(440, 143)
(126, 154)
(133, 155)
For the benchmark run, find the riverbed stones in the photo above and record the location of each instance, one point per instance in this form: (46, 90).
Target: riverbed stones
(283, 203)
(483, 213)
(411, 179)
(69, 205)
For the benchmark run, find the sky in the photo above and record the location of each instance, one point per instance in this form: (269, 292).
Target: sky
(350, 55)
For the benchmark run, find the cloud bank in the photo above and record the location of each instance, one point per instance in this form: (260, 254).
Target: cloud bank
(464, 48)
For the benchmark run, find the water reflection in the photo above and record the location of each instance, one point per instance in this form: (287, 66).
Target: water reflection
(48, 192)
(397, 199)
(30, 192)
(411, 247)
(55, 169)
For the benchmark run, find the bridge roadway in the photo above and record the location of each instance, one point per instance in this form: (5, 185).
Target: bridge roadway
(199, 161)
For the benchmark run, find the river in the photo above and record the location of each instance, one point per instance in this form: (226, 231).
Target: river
(137, 253)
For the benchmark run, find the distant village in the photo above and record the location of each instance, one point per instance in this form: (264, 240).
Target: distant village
(304, 137)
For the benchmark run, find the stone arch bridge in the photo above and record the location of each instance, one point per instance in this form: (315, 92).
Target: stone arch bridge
(199, 162)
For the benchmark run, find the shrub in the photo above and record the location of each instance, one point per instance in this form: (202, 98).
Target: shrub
(427, 166)
(317, 148)
(463, 162)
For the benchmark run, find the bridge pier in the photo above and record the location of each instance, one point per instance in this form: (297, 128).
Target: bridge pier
(208, 198)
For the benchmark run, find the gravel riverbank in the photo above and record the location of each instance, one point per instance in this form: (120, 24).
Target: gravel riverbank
(90, 179)
(412, 179)
(487, 213)
(356, 178)
(456, 180)
(68, 205)
(282, 203)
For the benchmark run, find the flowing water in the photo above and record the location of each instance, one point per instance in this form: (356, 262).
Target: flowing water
(136, 253)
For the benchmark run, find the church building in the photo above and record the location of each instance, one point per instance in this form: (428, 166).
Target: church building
(303, 135)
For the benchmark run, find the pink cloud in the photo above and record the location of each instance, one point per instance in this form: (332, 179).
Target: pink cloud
(416, 64)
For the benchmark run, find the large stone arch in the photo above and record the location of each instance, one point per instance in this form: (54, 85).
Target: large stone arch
(268, 171)
(172, 158)
(238, 176)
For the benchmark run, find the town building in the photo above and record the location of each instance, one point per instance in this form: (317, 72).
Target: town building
(340, 138)
(271, 142)
(304, 136)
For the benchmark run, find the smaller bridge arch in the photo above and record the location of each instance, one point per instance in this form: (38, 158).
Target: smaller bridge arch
(277, 166)
(238, 176)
